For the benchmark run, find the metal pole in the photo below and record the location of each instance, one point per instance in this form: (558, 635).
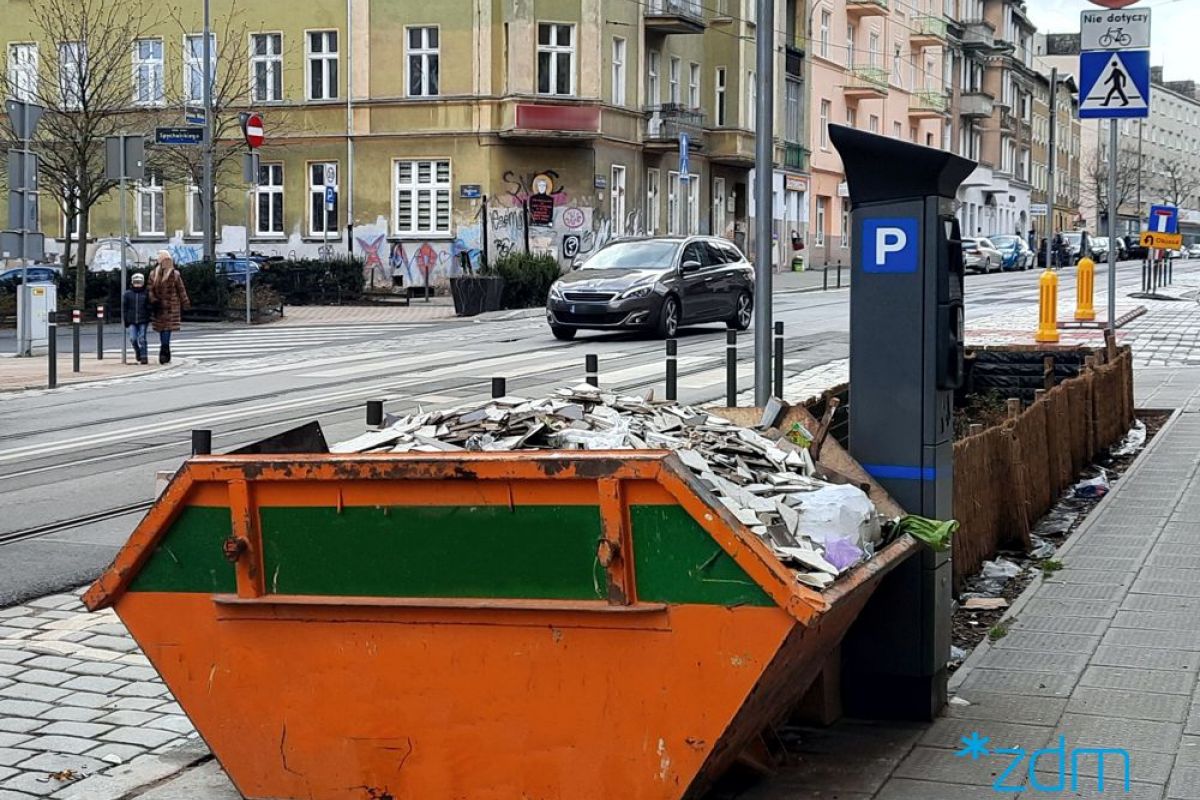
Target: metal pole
(349, 50)
(210, 235)
(76, 321)
(672, 369)
(763, 197)
(1139, 174)
(374, 413)
(201, 443)
(499, 387)
(52, 345)
(25, 336)
(591, 366)
(731, 370)
(99, 333)
(1112, 225)
(1053, 164)
(124, 239)
(779, 360)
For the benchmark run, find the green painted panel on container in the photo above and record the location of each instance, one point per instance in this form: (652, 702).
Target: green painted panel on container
(676, 561)
(537, 552)
(190, 558)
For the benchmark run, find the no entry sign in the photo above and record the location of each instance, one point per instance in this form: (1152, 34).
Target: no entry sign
(252, 129)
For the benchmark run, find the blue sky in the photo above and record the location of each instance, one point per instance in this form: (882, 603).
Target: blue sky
(1174, 32)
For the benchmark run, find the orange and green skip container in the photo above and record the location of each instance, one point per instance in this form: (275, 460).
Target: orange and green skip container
(483, 626)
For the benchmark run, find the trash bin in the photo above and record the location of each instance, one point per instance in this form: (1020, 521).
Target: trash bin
(554, 625)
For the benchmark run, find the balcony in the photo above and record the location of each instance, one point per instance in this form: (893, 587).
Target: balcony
(856, 9)
(549, 121)
(674, 16)
(978, 34)
(730, 147)
(976, 105)
(1008, 122)
(665, 124)
(795, 156)
(928, 31)
(927, 105)
(866, 81)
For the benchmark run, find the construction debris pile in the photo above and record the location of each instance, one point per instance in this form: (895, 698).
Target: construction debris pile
(766, 481)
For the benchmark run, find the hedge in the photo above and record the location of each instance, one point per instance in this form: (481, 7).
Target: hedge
(527, 278)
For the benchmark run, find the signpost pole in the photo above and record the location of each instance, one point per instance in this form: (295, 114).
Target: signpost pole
(26, 343)
(1112, 225)
(124, 239)
(1053, 193)
(210, 238)
(763, 199)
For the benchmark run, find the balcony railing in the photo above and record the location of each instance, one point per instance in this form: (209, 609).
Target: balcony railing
(927, 104)
(866, 8)
(795, 155)
(665, 123)
(867, 79)
(979, 33)
(928, 29)
(674, 16)
(976, 104)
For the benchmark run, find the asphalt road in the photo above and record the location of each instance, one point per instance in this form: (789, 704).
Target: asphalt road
(78, 465)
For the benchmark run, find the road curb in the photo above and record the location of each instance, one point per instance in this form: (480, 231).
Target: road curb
(177, 362)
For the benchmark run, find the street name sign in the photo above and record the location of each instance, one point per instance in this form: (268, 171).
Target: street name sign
(179, 136)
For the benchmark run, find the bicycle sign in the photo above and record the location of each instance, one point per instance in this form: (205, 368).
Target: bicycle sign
(1115, 30)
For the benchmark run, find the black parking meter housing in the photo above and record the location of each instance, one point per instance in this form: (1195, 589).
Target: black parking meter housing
(906, 361)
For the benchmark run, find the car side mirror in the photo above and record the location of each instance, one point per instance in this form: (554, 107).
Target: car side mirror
(690, 266)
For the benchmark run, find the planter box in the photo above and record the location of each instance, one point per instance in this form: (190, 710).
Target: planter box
(474, 294)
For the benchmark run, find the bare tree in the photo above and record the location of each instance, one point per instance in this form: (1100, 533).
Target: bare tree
(233, 92)
(1177, 182)
(81, 76)
(1094, 180)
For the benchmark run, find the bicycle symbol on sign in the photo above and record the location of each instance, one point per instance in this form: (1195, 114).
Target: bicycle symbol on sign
(1116, 36)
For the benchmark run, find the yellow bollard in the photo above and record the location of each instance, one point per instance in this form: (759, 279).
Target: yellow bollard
(1047, 308)
(1085, 289)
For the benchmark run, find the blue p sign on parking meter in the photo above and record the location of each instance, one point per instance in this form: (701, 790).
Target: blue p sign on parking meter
(890, 244)
(684, 164)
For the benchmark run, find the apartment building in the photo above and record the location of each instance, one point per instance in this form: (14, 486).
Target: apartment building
(992, 81)
(436, 122)
(1158, 158)
(1062, 201)
(875, 65)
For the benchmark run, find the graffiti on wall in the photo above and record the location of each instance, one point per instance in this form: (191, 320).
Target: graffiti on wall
(186, 253)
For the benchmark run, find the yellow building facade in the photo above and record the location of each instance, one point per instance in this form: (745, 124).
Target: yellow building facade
(435, 122)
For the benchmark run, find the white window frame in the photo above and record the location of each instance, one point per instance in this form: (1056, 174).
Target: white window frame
(616, 199)
(271, 62)
(873, 123)
(427, 54)
(845, 243)
(437, 192)
(823, 47)
(693, 86)
(897, 129)
(873, 49)
(23, 71)
(653, 192)
(556, 50)
(195, 212)
(822, 213)
(329, 218)
(673, 203)
(674, 69)
(826, 108)
(326, 57)
(851, 117)
(720, 97)
(150, 190)
(720, 211)
(273, 192)
(653, 83)
(72, 71)
(851, 43)
(751, 100)
(148, 74)
(619, 51)
(193, 64)
(693, 193)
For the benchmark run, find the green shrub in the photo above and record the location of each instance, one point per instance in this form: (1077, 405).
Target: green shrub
(310, 282)
(527, 278)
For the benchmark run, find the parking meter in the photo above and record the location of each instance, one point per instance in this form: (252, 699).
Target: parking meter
(906, 360)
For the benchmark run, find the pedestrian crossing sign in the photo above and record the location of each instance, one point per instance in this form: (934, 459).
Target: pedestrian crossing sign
(1114, 84)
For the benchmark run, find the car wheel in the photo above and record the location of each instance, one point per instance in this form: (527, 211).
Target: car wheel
(563, 334)
(668, 318)
(743, 312)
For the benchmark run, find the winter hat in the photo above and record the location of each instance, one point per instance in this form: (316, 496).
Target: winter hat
(138, 279)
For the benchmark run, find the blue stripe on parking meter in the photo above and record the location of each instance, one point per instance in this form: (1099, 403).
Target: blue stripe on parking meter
(889, 245)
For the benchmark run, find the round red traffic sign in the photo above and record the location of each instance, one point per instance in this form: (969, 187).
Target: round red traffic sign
(253, 130)
(1114, 3)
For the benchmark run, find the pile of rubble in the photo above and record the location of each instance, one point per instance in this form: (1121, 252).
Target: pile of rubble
(767, 481)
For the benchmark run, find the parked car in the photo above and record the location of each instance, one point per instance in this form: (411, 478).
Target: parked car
(38, 273)
(1134, 248)
(1074, 245)
(1099, 248)
(980, 255)
(654, 284)
(234, 269)
(1014, 251)
(1193, 250)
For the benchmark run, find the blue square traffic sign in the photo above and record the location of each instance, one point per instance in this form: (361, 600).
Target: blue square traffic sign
(1163, 219)
(889, 245)
(1114, 83)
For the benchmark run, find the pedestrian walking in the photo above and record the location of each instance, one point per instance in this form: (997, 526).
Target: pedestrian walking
(135, 310)
(168, 299)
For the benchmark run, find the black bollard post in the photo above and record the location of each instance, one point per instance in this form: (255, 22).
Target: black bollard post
(839, 279)
(731, 369)
(591, 365)
(499, 387)
(52, 350)
(374, 413)
(76, 320)
(201, 443)
(99, 333)
(825, 278)
(778, 353)
(672, 369)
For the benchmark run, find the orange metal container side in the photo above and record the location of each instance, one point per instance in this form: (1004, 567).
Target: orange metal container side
(345, 697)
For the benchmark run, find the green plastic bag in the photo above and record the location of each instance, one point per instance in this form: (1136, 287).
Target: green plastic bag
(932, 532)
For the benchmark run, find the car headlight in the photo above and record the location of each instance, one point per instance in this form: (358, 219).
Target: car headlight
(556, 291)
(634, 292)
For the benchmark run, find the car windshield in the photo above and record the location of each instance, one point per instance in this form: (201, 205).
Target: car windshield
(970, 244)
(1073, 238)
(1005, 241)
(635, 255)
